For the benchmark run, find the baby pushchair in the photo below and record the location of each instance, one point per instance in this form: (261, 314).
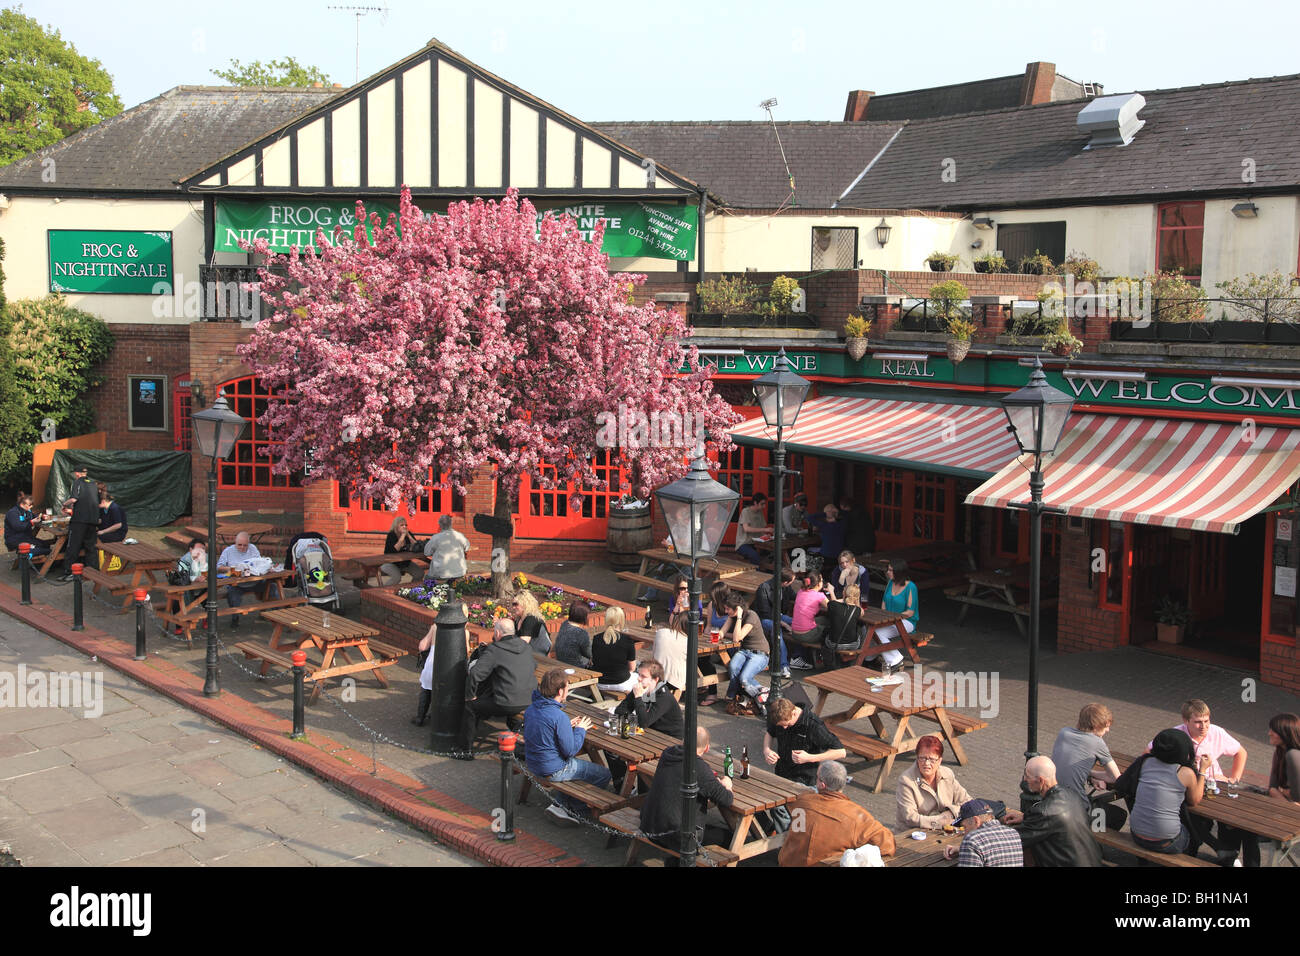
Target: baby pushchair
(309, 554)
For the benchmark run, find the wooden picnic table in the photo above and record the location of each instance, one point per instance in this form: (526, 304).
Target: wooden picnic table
(937, 558)
(59, 529)
(995, 588)
(140, 561)
(1245, 809)
(762, 791)
(330, 633)
(601, 743)
(371, 563)
(227, 531)
(789, 543)
(927, 852)
(871, 701)
(577, 676)
(652, 558)
(748, 582)
(877, 619)
(705, 649)
(184, 602)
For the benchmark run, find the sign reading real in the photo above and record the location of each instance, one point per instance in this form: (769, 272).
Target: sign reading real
(110, 262)
(288, 223)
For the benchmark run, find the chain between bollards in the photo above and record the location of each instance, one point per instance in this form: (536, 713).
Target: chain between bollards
(78, 612)
(25, 563)
(299, 704)
(141, 602)
(506, 751)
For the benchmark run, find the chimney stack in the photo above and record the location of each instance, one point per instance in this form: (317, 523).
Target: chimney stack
(855, 111)
(1037, 86)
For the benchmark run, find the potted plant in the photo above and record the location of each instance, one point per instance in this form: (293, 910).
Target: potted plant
(961, 331)
(856, 329)
(941, 261)
(1264, 308)
(1036, 265)
(991, 263)
(1135, 323)
(1172, 618)
(1081, 267)
(1178, 307)
(1061, 342)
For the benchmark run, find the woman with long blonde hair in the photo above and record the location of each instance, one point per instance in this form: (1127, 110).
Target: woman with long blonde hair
(614, 654)
(529, 623)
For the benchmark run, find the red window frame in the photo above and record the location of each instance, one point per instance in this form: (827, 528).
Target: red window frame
(550, 513)
(1185, 226)
(247, 466)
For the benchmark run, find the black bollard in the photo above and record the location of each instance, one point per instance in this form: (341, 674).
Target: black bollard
(299, 718)
(448, 678)
(25, 565)
(506, 750)
(141, 599)
(77, 613)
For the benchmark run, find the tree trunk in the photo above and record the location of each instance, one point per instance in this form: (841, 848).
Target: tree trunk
(500, 558)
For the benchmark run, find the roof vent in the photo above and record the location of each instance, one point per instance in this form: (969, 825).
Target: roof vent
(1111, 120)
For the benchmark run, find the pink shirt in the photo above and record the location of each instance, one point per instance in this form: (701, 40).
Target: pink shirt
(806, 606)
(1217, 743)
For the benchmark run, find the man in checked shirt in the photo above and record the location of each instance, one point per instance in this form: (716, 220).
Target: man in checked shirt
(987, 842)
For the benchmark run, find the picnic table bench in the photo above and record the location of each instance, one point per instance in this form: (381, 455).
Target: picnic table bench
(577, 677)
(659, 557)
(59, 529)
(139, 562)
(1123, 842)
(927, 852)
(996, 589)
(929, 563)
(228, 531)
(789, 543)
(184, 608)
(369, 564)
(628, 820)
(705, 649)
(877, 619)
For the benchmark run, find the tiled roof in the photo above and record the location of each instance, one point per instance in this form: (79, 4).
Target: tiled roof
(1195, 141)
(149, 147)
(741, 162)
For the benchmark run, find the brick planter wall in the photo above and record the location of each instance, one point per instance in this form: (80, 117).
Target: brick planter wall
(403, 623)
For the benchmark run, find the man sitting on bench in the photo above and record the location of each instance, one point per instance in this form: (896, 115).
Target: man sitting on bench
(498, 682)
(241, 552)
(661, 814)
(553, 740)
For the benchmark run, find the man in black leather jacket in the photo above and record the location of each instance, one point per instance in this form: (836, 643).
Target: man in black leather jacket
(1056, 828)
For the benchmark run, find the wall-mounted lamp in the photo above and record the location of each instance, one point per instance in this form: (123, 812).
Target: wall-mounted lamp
(882, 232)
(977, 244)
(1246, 210)
(4, 201)
(983, 222)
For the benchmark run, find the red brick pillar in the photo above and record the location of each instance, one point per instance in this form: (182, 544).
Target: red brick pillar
(678, 302)
(883, 310)
(1082, 624)
(990, 313)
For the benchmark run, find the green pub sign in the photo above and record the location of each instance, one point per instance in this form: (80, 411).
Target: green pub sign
(110, 261)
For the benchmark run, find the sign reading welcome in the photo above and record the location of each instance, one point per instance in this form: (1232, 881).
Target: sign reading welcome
(288, 223)
(634, 229)
(110, 261)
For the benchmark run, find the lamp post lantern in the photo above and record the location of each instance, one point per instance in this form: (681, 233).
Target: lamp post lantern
(780, 395)
(1037, 415)
(698, 511)
(215, 429)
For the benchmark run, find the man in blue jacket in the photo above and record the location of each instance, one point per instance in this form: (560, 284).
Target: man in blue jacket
(553, 740)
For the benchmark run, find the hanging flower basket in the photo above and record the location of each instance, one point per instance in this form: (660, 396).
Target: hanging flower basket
(856, 347)
(958, 349)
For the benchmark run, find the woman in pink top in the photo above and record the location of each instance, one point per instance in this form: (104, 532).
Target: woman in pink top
(808, 603)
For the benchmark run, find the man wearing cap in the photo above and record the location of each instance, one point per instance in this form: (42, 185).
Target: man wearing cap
(987, 842)
(83, 507)
(793, 516)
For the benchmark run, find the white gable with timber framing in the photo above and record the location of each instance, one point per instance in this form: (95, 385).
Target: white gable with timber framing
(444, 127)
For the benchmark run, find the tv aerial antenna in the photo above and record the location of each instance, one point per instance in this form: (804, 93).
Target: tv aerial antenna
(360, 12)
(767, 104)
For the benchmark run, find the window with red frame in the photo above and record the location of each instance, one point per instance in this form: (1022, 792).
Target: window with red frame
(248, 465)
(1180, 235)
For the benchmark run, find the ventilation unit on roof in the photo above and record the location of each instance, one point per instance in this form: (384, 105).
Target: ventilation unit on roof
(1111, 120)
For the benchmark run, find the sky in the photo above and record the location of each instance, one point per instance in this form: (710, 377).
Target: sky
(696, 60)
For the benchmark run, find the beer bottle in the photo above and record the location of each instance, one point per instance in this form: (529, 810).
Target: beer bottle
(728, 767)
(623, 727)
(744, 763)
(648, 622)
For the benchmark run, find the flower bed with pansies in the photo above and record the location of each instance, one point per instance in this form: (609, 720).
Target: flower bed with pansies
(404, 614)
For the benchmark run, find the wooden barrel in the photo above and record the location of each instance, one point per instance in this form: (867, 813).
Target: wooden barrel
(630, 531)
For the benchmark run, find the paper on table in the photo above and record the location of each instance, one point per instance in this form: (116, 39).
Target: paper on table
(886, 681)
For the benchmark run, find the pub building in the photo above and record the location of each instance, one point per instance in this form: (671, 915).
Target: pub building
(1177, 475)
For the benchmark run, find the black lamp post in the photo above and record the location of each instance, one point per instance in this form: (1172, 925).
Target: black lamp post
(698, 511)
(780, 395)
(215, 429)
(1038, 414)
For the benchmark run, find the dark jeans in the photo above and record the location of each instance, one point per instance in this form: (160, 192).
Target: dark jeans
(82, 535)
(1176, 845)
(475, 709)
(39, 548)
(235, 593)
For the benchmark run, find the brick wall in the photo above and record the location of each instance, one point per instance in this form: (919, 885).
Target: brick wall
(1081, 624)
(1278, 666)
(138, 350)
(918, 284)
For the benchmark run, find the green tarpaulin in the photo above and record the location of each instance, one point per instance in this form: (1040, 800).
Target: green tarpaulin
(153, 487)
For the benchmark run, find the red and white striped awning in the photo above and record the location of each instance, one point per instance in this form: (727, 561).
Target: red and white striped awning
(1178, 474)
(969, 441)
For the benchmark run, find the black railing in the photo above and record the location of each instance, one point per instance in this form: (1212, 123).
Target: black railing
(230, 294)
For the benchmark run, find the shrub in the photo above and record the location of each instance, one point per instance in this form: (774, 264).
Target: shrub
(56, 351)
(781, 297)
(1278, 288)
(1177, 299)
(856, 327)
(1036, 265)
(1081, 267)
(945, 296)
(993, 263)
(961, 329)
(728, 296)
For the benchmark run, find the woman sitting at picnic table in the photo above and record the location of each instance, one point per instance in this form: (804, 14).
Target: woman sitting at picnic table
(573, 642)
(806, 629)
(847, 572)
(743, 625)
(1159, 782)
(717, 605)
(844, 622)
(1284, 775)
(112, 519)
(902, 598)
(399, 540)
(613, 653)
(670, 650)
(929, 795)
(529, 623)
(21, 525)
